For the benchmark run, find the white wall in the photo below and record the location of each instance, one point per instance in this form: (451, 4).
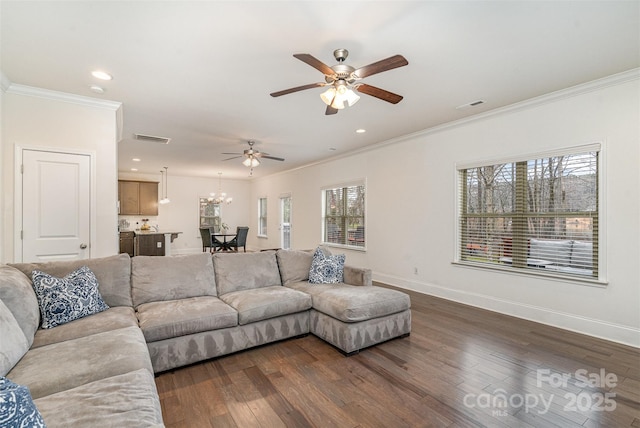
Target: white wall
(182, 215)
(39, 118)
(411, 207)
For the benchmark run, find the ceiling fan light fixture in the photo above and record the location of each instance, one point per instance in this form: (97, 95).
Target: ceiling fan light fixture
(351, 97)
(251, 162)
(339, 96)
(328, 95)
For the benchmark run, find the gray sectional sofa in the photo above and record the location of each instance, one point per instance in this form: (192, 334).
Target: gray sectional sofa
(167, 312)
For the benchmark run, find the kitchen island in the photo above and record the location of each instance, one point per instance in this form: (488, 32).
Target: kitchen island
(153, 242)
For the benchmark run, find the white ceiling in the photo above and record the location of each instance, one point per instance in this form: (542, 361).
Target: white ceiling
(201, 72)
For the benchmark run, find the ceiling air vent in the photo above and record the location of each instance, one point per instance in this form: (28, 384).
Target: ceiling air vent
(152, 138)
(471, 104)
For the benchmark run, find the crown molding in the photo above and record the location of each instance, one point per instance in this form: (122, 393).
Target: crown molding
(31, 91)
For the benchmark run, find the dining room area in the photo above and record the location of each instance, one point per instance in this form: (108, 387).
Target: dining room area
(216, 234)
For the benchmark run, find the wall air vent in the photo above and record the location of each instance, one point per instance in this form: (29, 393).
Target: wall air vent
(152, 138)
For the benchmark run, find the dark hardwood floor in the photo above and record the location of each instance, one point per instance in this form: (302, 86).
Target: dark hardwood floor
(461, 367)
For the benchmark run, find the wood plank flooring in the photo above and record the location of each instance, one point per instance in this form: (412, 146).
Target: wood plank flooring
(461, 367)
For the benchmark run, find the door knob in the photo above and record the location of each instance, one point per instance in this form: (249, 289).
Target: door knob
(83, 246)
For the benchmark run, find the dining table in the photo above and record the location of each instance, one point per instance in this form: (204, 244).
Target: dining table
(225, 243)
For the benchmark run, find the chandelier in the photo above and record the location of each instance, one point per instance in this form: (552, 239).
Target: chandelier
(220, 197)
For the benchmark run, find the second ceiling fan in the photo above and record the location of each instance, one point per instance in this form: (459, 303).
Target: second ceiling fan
(342, 79)
(252, 156)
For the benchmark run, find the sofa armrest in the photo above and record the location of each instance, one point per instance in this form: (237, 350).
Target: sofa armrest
(357, 276)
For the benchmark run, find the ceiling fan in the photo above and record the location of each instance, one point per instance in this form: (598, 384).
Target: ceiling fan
(252, 156)
(342, 79)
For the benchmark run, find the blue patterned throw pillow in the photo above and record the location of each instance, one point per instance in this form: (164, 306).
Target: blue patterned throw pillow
(66, 299)
(17, 409)
(326, 269)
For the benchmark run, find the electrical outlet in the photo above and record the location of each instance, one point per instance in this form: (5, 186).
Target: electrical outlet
(159, 244)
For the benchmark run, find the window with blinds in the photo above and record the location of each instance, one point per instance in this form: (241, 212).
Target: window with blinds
(538, 215)
(343, 216)
(262, 217)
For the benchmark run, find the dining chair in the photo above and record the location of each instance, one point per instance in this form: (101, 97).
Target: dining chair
(208, 241)
(240, 240)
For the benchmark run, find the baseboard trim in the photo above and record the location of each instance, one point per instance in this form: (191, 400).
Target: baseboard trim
(589, 326)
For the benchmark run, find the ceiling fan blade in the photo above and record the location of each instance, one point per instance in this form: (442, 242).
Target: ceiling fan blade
(232, 154)
(271, 157)
(235, 157)
(297, 88)
(315, 63)
(330, 110)
(387, 96)
(380, 66)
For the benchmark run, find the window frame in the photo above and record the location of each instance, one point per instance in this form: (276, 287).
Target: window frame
(599, 237)
(262, 217)
(344, 219)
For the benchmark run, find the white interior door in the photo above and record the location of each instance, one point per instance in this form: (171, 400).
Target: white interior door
(55, 206)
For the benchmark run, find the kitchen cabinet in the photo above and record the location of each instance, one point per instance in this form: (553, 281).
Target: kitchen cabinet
(126, 243)
(138, 197)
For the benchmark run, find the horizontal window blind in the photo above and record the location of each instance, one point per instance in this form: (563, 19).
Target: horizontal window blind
(344, 214)
(539, 214)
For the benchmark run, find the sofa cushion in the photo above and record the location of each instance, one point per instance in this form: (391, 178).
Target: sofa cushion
(352, 303)
(294, 265)
(14, 344)
(66, 299)
(555, 251)
(113, 274)
(111, 319)
(17, 408)
(65, 365)
(156, 279)
(17, 293)
(172, 318)
(326, 268)
(128, 400)
(267, 302)
(245, 271)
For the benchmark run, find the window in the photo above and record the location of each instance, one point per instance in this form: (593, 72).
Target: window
(344, 212)
(539, 215)
(209, 214)
(262, 217)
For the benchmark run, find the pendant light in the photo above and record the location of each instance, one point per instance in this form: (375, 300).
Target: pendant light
(165, 178)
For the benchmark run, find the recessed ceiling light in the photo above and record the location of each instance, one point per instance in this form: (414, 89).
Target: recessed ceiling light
(134, 169)
(97, 89)
(102, 75)
(136, 159)
(361, 131)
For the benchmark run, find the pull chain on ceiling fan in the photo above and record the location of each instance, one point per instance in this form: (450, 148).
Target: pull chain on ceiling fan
(343, 79)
